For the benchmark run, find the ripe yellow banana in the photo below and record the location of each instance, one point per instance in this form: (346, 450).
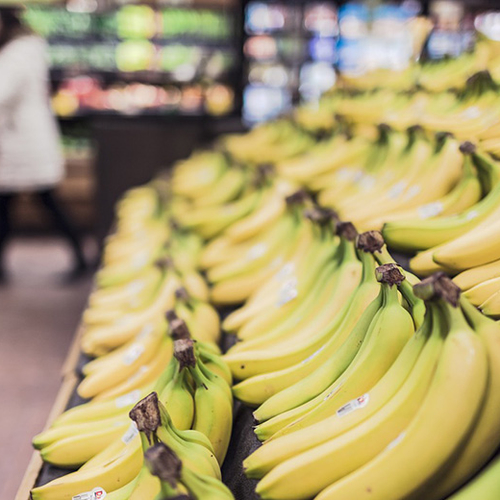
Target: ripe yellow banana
(421, 450)
(305, 475)
(476, 275)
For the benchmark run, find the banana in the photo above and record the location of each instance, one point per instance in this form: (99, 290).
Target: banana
(112, 369)
(176, 396)
(56, 433)
(145, 375)
(491, 307)
(72, 446)
(288, 291)
(323, 158)
(322, 296)
(256, 254)
(271, 207)
(284, 389)
(100, 410)
(466, 193)
(167, 466)
(406, 187)
(124, 492)
(476, 275)
(484, 440)
(228, 187)
(213, 415)
(201, 318)
(392, 327)
(478, 294)
(154, 423)
(133, 293)
(147, 486)
(194, 176)
(195, 285)
(118, 467)
(423, 264)
(477, 247)
(100, 339)
(209, 222)
(484, 486)
(393, 390)
(455, 395)
(287, 264)
(304, 475)
(426, 234)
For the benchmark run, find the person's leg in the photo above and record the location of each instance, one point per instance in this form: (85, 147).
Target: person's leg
(64, 225)
(5, 227)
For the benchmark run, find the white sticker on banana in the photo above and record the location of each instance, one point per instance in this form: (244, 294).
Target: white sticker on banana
(132, 353)
(472, 214)
(430, 210)
(128, 399)
(285, 271)
(140, 260)
(412, 192)
(353, 405)
(130, 434)
(147, 329)
(257, 251)
(136, 287)
(96, 494)
(397, 190)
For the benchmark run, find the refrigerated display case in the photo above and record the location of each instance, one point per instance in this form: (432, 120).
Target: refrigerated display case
(290, 50)
(142, 58)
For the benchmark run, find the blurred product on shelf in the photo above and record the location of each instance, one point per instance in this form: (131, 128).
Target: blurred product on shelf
(138, 58)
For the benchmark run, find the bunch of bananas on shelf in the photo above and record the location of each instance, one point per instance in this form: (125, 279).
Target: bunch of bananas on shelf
(423, 427)
(193, 391)
(183, 465)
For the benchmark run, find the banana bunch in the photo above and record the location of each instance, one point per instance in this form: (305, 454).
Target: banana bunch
(137, 306)
(177, 481)
(324, 158)
(250, 252)
(358, 366)
(424, 234)
(290, 283)
(481, 286)
(197, 174)
(268, 143)
(194, 397)
(292, 347)
(384, 443)
(243, 216)
(382, 78)
(441, 76)
(117, 381)
(461, 242)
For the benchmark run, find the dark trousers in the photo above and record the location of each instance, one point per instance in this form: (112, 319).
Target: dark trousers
(60, 220)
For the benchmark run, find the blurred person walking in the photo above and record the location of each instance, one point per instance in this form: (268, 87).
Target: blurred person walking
(30, 155)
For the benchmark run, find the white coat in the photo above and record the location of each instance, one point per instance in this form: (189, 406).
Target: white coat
(30, 155)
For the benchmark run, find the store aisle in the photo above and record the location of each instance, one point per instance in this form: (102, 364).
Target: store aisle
(38, 317)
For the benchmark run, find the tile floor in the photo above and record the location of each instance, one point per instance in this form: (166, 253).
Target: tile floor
(38, 317)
